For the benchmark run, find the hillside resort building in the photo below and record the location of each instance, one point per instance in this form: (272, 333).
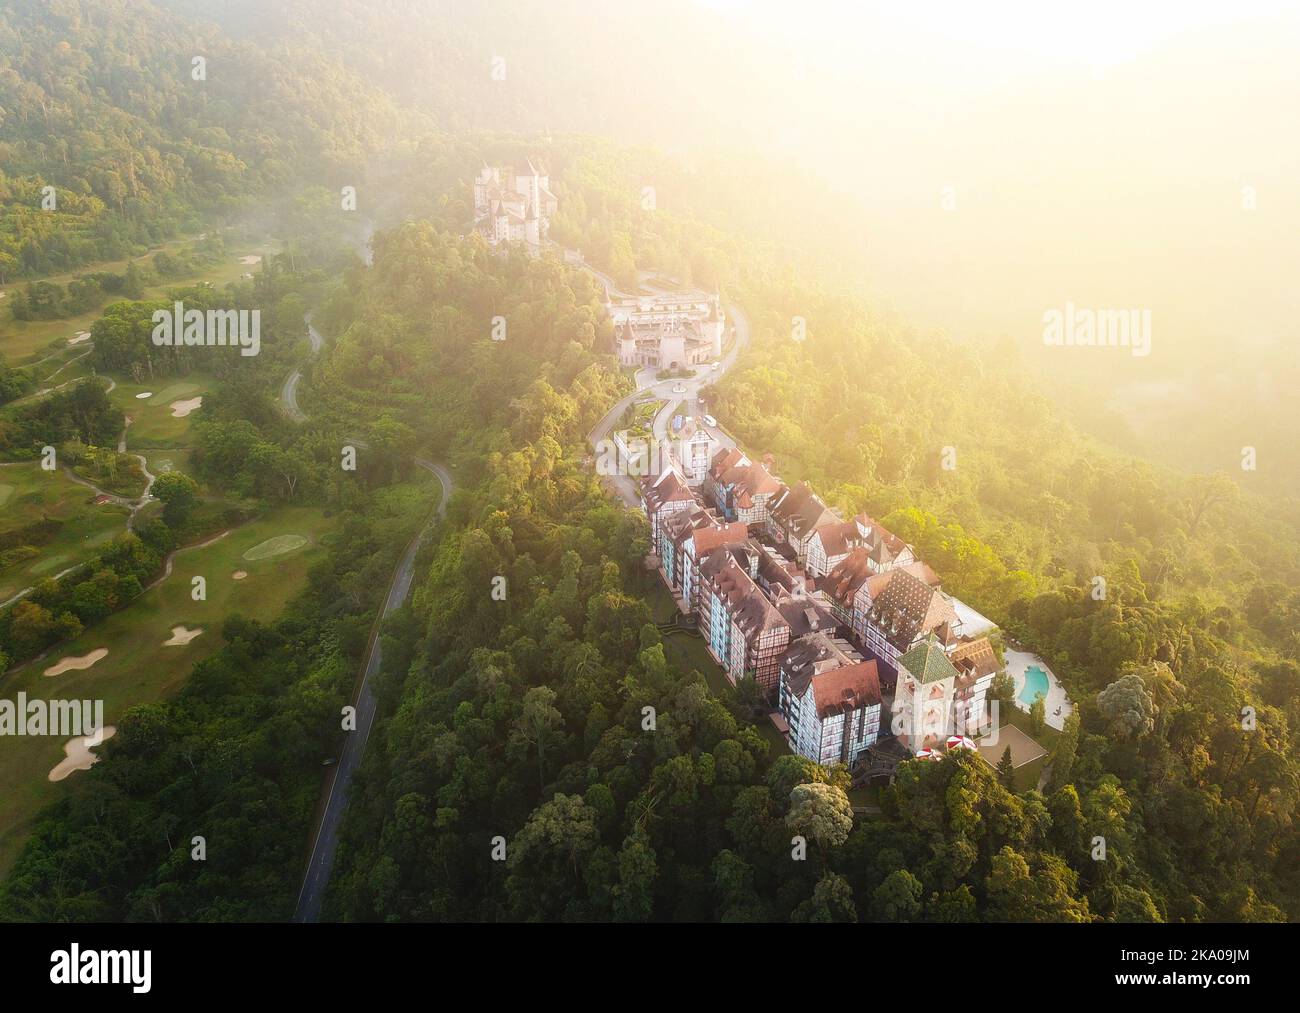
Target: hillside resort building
(667, 330)
(838, 622)
(514, 205)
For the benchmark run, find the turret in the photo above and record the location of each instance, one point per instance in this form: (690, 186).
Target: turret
(714, 325)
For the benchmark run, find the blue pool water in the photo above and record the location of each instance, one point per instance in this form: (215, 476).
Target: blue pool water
(1035, 683)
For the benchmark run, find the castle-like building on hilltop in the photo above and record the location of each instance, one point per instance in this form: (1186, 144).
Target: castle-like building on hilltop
(668, 330)
(514, 205)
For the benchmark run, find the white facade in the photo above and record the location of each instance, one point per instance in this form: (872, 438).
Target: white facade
(821, 739)
(513, 206)
(667, 330)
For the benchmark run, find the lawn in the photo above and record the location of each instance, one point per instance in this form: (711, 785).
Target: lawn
(643, 412)
(162, 461)
(659, 601)
(139, 668)
(29, 493)
(153, 426)
(687, 651)
(24, 341)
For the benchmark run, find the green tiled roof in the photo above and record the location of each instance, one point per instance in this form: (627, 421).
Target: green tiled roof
(927, 663)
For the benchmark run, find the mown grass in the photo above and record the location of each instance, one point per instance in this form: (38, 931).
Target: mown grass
(23, 341)
(29, 494)
(138, 668)
(153, 426)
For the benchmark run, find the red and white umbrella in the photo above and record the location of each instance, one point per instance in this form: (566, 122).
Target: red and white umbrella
(960, 742)
(929, 754)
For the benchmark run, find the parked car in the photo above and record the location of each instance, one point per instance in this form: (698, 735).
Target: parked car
(709, 420)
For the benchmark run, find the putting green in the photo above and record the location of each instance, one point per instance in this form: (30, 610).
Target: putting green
(47, 564)
(276, 546)
(174, 391)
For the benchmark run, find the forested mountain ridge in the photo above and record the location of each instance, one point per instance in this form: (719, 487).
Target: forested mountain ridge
(524, 718)
(99, 99)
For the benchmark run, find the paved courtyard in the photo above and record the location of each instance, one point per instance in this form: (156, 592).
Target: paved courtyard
(1023, 748)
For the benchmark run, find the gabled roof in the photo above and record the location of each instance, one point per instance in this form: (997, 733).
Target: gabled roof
(908, 606)
(838, 537)
(666, 487)
(745, 603)
(806, 616)
(755, 480)
(885, 546)
(846, 689)
(724, 460)
(800, 511)
(975, 658)
(679, 524)
(847, 576)
(927, 663)
(854, 570)
(921, 571)
(811, 653)
(708, 539)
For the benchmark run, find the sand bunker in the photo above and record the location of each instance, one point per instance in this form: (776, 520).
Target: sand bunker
(182, 408)
(81, 336)
(144, 394)
(79, 755)
(276, 546)
(252, 258)
(85, 661)
(239, 575)
(181, 636)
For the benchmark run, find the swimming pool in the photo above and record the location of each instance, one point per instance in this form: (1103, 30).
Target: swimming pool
(1035, 683)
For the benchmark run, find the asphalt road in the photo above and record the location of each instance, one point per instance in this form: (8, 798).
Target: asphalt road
(326, 838)
(326, 842)
(289, 392)
(624, 486)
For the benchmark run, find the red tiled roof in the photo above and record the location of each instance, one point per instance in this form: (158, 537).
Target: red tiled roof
(838, 537)
(755, 480)
(975, 657)
(725, 459)
(708, 539)
(846, 688)
(746, 605)
(847, 576)
(799, 510)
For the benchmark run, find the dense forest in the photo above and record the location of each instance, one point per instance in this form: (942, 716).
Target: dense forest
(105, 103)
(1195, 800)
(539, 755)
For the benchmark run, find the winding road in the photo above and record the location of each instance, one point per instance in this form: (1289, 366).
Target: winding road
(133, 506)
(289, 392)
(663, 390)
(325, 838)
(326, 841)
